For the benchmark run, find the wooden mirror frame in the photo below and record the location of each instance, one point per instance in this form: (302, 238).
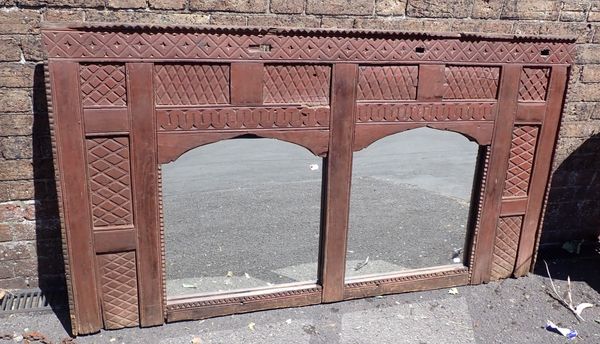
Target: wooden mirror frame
(126, 98)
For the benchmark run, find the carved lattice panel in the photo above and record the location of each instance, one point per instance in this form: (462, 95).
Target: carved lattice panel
(520, 161)
(505, 246)
(387, 82)
(103, 85)
(110, 181)
(534, 84)
(191, 84)
(464, 82)
(302, 84)
(118, 282)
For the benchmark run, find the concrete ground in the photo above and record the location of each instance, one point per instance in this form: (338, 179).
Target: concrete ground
(510, 311)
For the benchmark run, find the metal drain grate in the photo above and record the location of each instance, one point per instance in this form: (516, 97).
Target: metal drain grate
(29, 300)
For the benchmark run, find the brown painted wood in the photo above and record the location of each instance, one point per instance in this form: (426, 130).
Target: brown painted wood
(531, 112)
(246, 83)
(172, 145)
(508, 93)
(131, 101)
(105, 121)
(541, 169)
(69, 136)
(431, 82)
(337, 190)
(145, 185)
(412, 280)
(115, 240)
(291, 295)
(515, 206)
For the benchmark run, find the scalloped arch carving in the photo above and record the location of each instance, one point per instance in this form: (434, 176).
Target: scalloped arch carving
(171, 145)
(365, 135)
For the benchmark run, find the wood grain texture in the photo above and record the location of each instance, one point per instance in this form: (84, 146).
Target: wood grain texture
(145, 186)
(337, 190)
(68, 131)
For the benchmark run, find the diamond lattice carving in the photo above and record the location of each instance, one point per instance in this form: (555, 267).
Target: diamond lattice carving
(534, 84)
(119, 289)
(199, 45)
(304, 84)
(464, 82)
(192, 84)
(520, 162)
(110, 181)
(505, 246)
(387, 82)
(103, 84)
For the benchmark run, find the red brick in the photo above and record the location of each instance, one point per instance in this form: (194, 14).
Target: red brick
(439, 9)
(337, 7)
(16, 147)
(337, 22)
(487, 9)
(168, 4)
(16, 124)
(15, 100)
(147, 17)
(531, 9)
(579, 129)
(63, 15)
(32, 48)
(228, 19)
(19, 21)
(591, 73)
(16, 190)
(16, 250)
(14, 283)
(16, 74)
(7, 270)
(284, 20)
(287, 6)
(125, 4)
(391, 23)
(570, 16)
(16, 169)
(27, 267)
(23, 230)
(249, 6)
(10, 49)
(62, 3)
(390, 7)
(5, 233)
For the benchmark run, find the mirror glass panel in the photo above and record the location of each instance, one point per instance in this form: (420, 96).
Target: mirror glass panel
(241, 214)
(410, 200)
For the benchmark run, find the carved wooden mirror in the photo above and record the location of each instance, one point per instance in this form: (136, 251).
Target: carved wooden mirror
(152, 125)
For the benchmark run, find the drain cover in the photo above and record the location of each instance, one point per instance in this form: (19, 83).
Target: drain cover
(30, 300)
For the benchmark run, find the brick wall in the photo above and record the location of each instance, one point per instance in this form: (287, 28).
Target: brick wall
(29, 232)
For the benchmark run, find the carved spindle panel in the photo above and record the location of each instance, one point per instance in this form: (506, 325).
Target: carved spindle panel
(191, 84)
(534, 84)
(520, 162)
(464, 82)
(103, 85)
(302, 84)
(387, 82)
(118, 281)
(110, 181)
(505, 246)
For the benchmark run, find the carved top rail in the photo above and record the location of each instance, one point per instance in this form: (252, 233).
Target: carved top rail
(122, 42)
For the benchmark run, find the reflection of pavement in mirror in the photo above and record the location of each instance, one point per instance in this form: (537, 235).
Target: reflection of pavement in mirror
(252, 206)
